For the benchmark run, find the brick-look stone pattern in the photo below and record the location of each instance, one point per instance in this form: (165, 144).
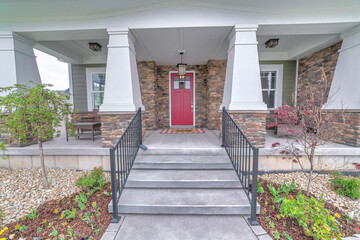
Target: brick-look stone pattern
(252, 124)
(200, 94)
(215, 82)
(351, 133)
(113, 126)
(148, 87)
(310, 72)
(76, 116)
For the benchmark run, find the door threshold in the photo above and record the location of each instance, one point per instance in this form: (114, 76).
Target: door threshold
(182, 126)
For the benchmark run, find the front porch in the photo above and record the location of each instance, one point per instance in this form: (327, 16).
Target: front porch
(84, 154)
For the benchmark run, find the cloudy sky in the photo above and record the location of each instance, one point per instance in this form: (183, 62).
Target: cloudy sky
(52, 71)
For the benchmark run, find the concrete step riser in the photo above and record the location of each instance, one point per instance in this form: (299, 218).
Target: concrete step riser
(179, 210)
(185, 184)
(183, 152)
(182, 166)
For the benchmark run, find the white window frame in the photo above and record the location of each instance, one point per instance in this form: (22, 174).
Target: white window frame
(279, 69)
(89, 72)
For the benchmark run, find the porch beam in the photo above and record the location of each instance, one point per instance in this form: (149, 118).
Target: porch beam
(344, 89)
(122, 89)
(18, 61)
(242, 90)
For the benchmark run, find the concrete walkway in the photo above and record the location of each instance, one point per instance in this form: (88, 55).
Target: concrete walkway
(183, 187)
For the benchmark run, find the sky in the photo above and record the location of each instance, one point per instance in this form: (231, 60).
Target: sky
(52, 70)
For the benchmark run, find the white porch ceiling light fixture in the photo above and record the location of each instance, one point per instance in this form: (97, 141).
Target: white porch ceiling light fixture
(181, 66)
(96, 47)
(271, 43)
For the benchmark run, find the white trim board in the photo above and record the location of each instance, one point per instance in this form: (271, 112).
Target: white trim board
(279, 68)
(90, 71)
(194, 103)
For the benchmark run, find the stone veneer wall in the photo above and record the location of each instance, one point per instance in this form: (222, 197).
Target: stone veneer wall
(148, 87)
(215, 82)
(200, 94)
(351, 127)
(310, 74)
(253, 124)
(113, 126)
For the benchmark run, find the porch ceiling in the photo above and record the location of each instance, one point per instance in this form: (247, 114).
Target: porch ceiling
(200, 44)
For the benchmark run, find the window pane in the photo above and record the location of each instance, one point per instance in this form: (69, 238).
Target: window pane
(98, 81)
(268, 79)
(176, 82)
(98, 99)
(269, 98)
(187, 82)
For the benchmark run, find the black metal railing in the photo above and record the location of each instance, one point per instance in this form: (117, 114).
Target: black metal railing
(122, 157)
(244, 157)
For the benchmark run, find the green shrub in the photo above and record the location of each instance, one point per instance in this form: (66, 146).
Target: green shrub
(312, 216)
(1, 213)
(93, 181)
(349, 187)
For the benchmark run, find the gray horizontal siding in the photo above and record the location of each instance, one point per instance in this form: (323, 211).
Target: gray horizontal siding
(79, 85)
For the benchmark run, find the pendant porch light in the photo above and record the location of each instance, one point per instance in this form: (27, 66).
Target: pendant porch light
(181, 66)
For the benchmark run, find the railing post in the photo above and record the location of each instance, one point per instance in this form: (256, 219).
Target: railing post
(252, 218)
(223, 127)
(116, 217)
(140, 128)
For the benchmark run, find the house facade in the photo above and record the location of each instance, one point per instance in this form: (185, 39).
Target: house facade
(227, 46)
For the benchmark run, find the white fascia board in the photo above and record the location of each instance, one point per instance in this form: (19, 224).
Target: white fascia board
(100, 59)
(266, 56)
(167, 16)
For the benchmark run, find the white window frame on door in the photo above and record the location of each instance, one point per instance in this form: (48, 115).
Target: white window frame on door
(194, 102)
(279, 69)
(89, 72)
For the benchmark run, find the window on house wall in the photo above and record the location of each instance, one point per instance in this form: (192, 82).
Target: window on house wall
(95, 87)
(271, 84)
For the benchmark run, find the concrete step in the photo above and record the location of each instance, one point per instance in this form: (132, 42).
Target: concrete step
(181, 159)
(184, 201)
(184, 152)
(183, 179)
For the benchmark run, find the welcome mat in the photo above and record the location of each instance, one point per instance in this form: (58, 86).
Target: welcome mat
(182, 131)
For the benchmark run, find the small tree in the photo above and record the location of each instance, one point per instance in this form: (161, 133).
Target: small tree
(309, 125)
(33, 112)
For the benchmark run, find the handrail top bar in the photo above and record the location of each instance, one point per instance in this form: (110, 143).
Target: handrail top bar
(126, 129)
(242, 133)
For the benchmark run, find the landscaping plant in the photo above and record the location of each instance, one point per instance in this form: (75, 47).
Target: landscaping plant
(33, 112)
(311, 214)
(93, 181)
(346, 186)
(309, 125)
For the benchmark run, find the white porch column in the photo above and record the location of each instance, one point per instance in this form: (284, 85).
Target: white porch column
(242, 90)
(18, 62)
(122, 90)
(345, 85)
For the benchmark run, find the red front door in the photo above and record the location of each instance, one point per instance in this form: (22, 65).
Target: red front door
(182, 99)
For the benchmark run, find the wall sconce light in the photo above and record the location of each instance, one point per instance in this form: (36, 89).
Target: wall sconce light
(271, 43)
(181, 66)
(95, 46)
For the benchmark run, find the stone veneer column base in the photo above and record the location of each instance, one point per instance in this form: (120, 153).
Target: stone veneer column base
(253, 124)
(351, 132)
(113, 125)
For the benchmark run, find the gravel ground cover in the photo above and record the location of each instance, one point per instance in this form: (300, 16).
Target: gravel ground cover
(321, 185)
(21, 190)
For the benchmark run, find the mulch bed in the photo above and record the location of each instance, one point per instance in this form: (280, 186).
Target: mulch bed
(94, 226)
(291, 225)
